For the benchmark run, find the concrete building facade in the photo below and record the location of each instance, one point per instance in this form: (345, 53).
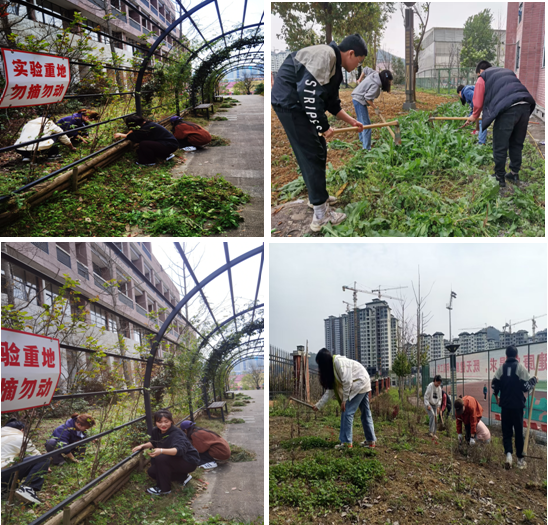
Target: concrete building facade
(121, 293)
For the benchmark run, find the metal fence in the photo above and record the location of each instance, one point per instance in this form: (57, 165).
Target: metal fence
(476, 371)
(280, 370)
(445, 80)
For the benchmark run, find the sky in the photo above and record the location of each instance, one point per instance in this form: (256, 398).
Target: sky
(442, 14)
(494, 283)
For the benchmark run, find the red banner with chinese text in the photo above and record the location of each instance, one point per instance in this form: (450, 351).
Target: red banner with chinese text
(31, 368)
(33, 79)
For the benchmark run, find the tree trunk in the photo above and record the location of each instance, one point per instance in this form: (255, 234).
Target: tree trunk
(328, 24)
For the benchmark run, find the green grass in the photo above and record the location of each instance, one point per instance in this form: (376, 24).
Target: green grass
(235, 421)
(125, 196)
(437, 183)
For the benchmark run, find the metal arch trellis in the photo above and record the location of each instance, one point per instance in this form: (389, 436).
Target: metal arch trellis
(256, 350)
(169, 29)
(198, 288)
(150, 363)
(251, 355)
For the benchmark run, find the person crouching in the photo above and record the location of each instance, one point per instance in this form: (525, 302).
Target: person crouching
(189, 134)
(211, 447)
(72, 431)
(173, 456)
(155, 141)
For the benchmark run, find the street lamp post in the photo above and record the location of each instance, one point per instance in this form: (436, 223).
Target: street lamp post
(409, 77)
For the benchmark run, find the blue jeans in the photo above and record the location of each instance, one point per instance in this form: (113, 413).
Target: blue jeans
(347, 419)
(482, 135)
(362, 115)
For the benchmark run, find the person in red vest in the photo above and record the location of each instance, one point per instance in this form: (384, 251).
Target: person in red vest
(189, 134)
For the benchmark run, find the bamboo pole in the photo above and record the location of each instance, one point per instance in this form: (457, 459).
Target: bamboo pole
(389, 129)
(84, 501)
(526, 444)
(369, 126)
(301, 402)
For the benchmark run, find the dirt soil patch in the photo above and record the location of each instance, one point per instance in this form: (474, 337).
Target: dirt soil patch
(424, 480)
(284, 166)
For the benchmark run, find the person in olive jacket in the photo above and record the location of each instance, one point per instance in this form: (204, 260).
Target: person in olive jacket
(173, 456)
(209, 444)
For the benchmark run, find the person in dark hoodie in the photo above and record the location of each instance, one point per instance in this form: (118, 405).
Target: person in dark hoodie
(173, 456)
(155, 141)
(209, 444)
(306, 86)
(506, 102)
(72, 431)
(511, 380)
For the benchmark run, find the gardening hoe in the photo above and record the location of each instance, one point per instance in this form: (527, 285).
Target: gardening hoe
(396, 136)
(301, 402)
(431, 119)
(371, 126)
(526, 444)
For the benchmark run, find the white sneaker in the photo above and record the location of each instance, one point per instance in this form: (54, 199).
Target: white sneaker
(508, 464)
(189, 148)
(189, 477)
(27, 494)
(522, 463)
(330, 216)
(157, 491)
(170, 157)
(209, 465)
(330, 200)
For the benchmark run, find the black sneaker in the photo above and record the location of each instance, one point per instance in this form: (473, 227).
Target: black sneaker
(512, 177)
(27, 494)
(501, 181)
(157, 491)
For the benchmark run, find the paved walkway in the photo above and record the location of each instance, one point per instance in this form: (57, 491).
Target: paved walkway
(241, 163)
(246, 501)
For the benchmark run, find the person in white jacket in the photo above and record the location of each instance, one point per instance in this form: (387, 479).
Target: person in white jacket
(38, 128)
(349, 381)
(369, 88)
(33, 475)
(432, 403)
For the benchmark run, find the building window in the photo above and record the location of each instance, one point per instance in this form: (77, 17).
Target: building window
(518, 49)
(543, 48)
(46, 18)
(51, 292)
(98, 316)
(93, 35)
(520, 12)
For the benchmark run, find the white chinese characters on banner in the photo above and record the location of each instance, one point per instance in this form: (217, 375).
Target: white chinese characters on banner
(33, 79)
(31, 368)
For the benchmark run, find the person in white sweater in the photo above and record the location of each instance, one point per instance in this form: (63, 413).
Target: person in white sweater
(38, 128)
(369, 88)
(432, 403)
(349, 381)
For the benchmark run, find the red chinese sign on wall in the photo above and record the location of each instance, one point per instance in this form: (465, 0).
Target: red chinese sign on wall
(31, 368)
(33, 79)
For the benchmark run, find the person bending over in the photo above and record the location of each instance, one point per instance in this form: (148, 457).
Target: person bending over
(173, 456)
(77, 120)
(211, 447)
(189, 134)
(306, 86)
(349, 382)
(155, 141)
(72, 431)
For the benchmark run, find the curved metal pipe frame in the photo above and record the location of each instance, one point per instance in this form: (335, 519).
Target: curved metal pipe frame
(234, 354)
(197, 289)
(228, 371)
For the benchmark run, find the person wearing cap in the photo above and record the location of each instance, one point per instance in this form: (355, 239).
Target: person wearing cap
(469, 412)
(189, 134)
(173, 456)
(31, 477)
(368, 90)
(211, 447)
(432, 402)
(466, 95)
(505, 101)
(306, 86)
(510, 382)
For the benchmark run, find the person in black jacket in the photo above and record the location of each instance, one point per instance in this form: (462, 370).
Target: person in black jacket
(511, 381)
(155, 141)
(173, 456)
(506, 101)
(306, 86)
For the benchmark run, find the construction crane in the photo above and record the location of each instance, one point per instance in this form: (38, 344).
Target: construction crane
(509, 324)
(348, 305)
(378, 293)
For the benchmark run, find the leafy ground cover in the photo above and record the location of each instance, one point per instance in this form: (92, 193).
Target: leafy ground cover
(437, 183)
(407, 479)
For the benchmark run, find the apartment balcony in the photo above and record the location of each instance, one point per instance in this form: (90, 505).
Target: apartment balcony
(119, 15)
(154, 10)
(140, 310)
(83, 270)
(145, 2)
(63, 257)
(125, 300)
(134, 24)
(147, 253)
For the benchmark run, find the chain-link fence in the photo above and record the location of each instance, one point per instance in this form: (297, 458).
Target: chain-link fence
(445, 80)
(476, 371)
